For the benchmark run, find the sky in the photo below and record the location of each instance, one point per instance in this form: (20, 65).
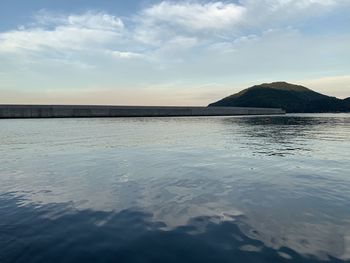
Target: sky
(148, 52)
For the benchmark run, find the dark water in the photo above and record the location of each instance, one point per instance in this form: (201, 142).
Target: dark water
(229, 189)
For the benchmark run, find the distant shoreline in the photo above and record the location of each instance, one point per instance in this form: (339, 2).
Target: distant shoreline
(92, 111)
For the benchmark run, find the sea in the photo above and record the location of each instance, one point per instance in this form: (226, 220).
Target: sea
(199, 189)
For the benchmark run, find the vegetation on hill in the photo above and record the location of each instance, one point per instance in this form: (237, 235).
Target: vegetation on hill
(292, 98)
(347, 101)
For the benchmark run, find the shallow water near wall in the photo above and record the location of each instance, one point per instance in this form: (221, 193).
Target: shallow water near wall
(201, 189)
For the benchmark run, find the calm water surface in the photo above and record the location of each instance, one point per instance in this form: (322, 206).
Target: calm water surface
(220, 189)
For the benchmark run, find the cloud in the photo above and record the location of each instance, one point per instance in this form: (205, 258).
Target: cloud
(186, 23)
(61, 38)
(215, 21)
(195, 16)
(63, 33)
(125, 55)
(229, 43)
(338, 86)
(263, 14)
(289, 6)
(300, 4)
(91, 20)
(98, 21)
(162, 22)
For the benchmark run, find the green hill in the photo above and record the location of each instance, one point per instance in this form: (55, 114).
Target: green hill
(292, 98)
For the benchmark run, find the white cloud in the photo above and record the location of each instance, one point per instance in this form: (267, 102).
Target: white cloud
(264, 13)
(288, 5)
(61, 38)
(125, 55)
(96, 21)
(216, 21)
(164, 21)
(91, 20)
(180, 43)
(73, 32)
(278, 4)
(195, 16)
(166, 24)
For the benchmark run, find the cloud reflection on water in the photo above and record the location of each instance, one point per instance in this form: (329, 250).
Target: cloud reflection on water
(33, 233)
(279, 183)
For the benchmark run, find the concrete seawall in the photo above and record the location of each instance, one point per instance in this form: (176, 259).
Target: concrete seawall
(86, 111)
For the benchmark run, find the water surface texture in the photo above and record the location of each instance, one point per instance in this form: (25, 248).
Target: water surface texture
(218, 189)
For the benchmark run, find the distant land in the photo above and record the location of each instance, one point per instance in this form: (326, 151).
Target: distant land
(292, 98)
